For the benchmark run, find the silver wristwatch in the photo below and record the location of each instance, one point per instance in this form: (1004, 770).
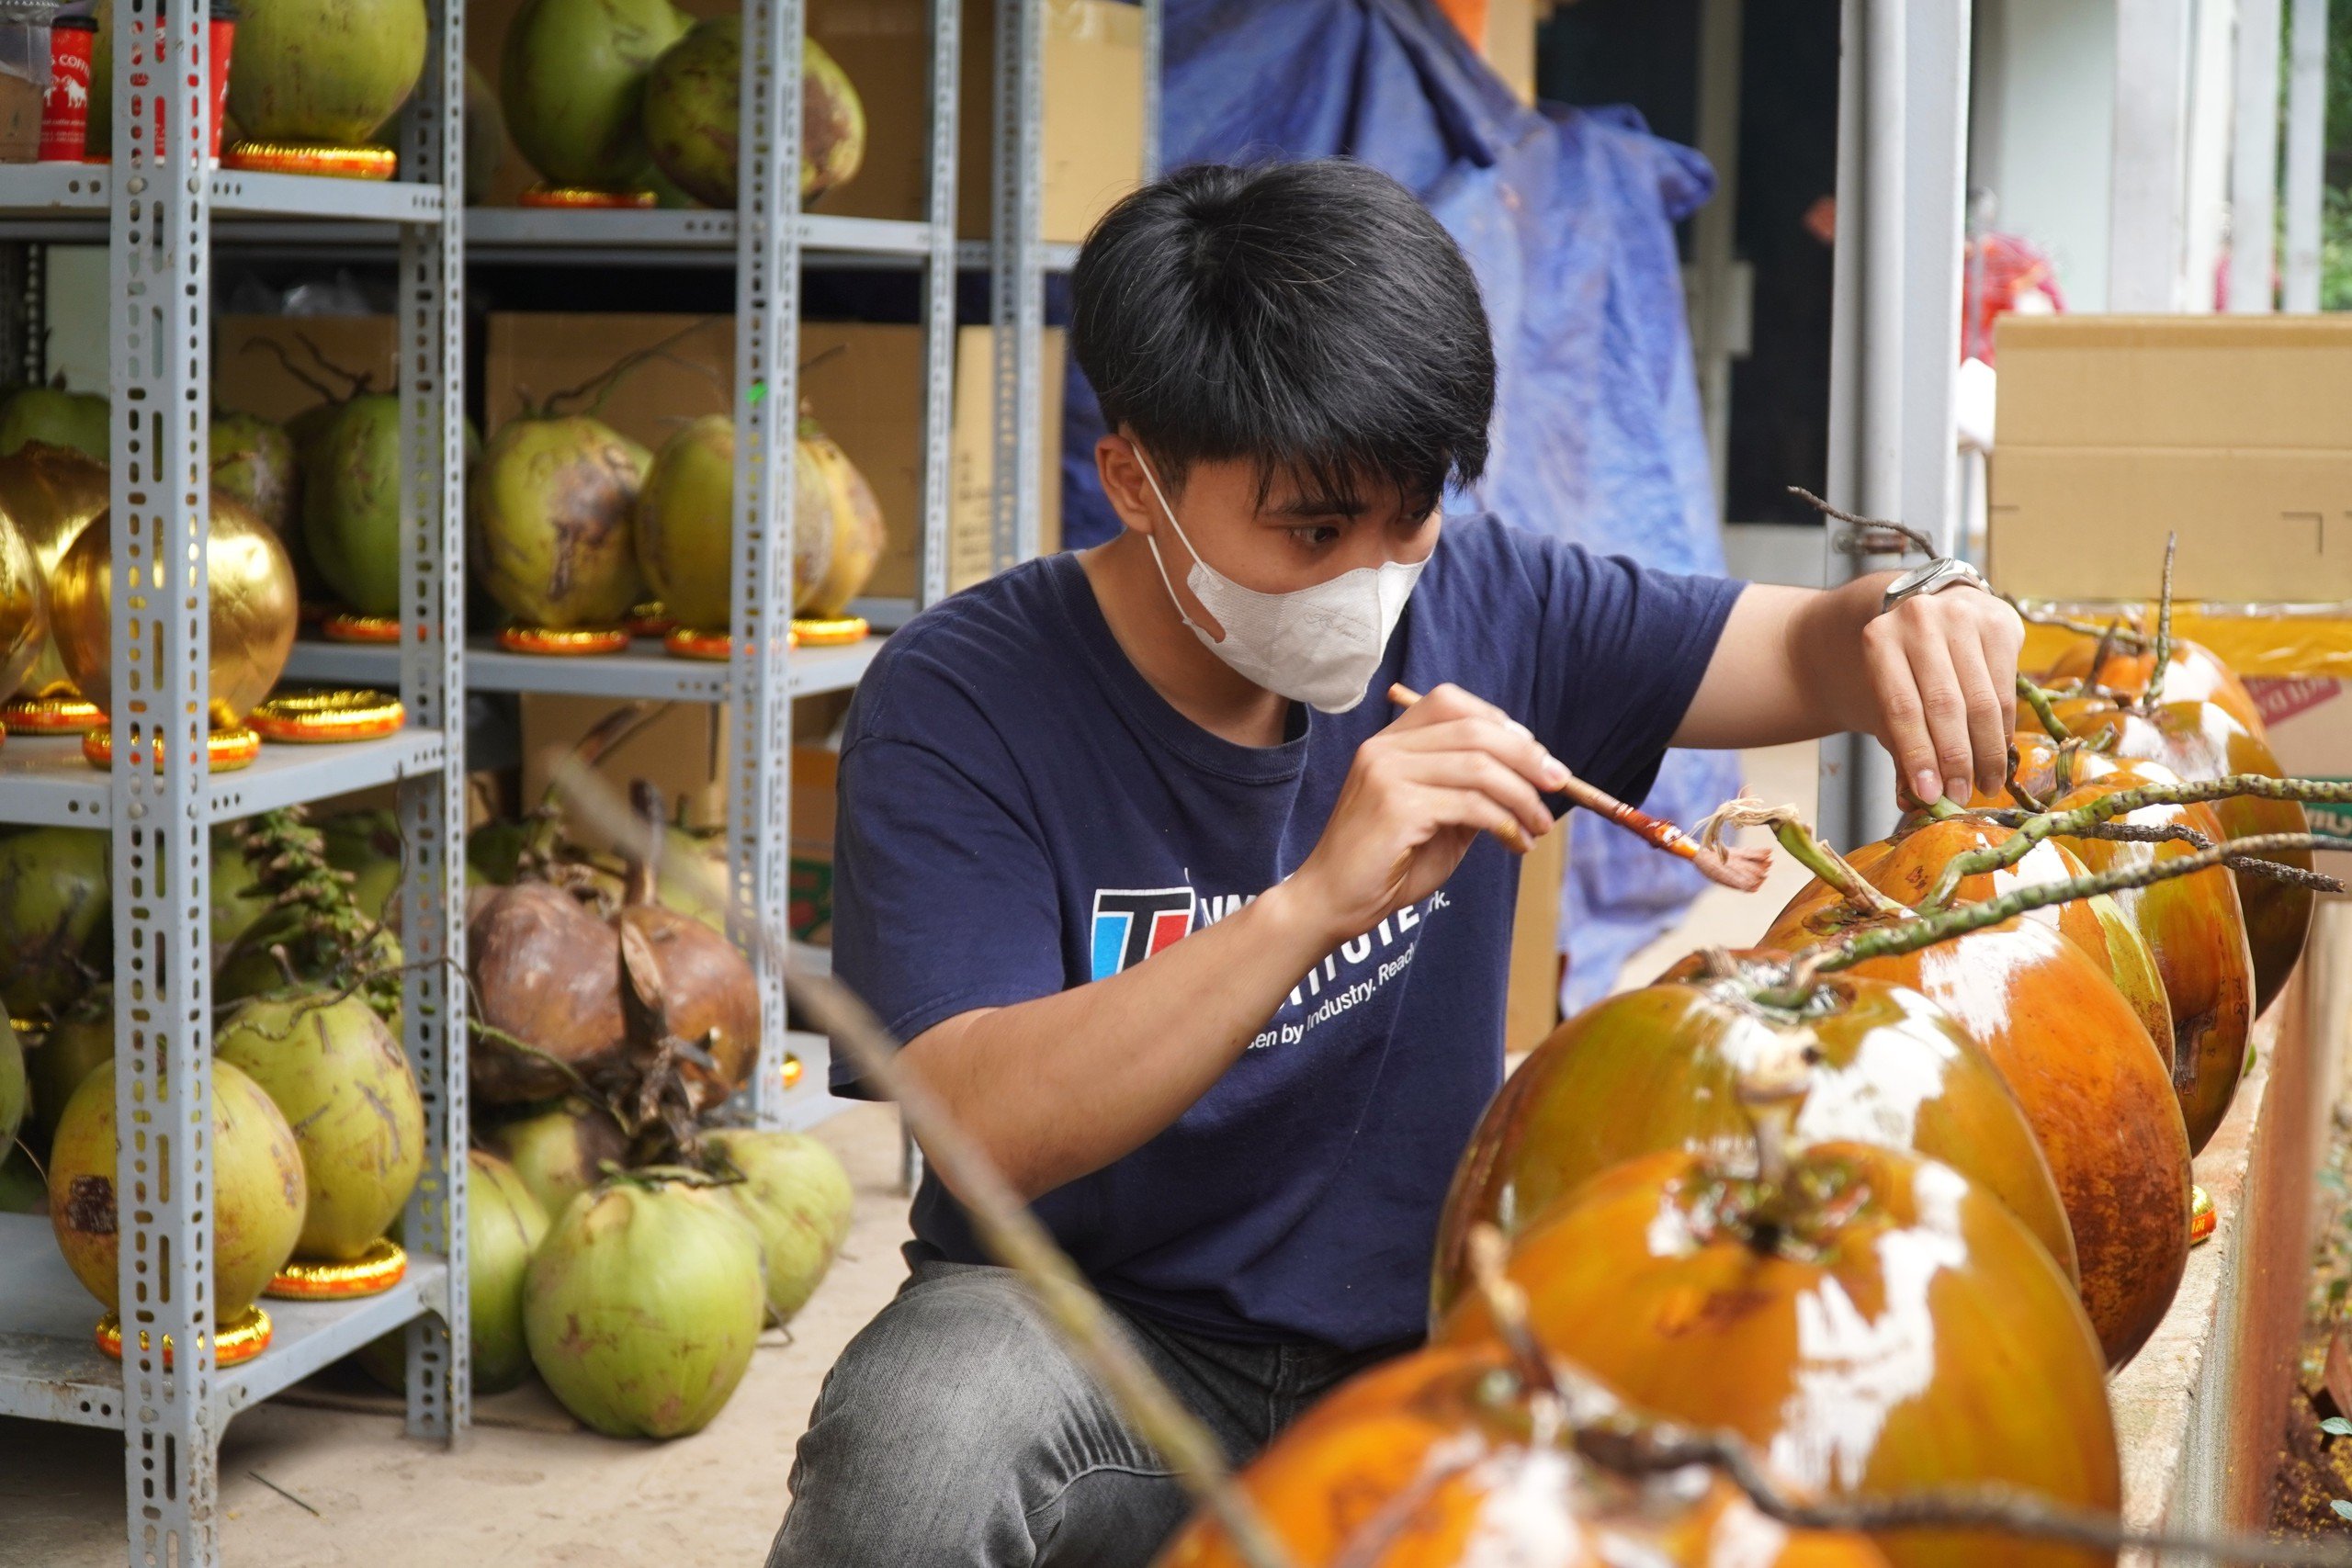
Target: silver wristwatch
(1946, 571)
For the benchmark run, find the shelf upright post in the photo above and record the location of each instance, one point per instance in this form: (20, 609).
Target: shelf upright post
(1017, 281)
(161, 274)
(431, 806)
(767, 341)
(939, 302)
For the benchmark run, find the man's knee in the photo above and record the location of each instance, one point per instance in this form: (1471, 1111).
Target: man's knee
(936, 1432)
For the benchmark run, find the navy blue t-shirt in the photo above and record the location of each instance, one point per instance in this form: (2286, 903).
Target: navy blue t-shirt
(1021, 813)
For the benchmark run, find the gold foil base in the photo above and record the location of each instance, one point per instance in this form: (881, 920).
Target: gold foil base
(579, 195)
(570, 643)
(684, 642)
(51, 716)
(326, 717)
(2201, 1218)
(831, 632)
(650, 620)
(346, 625)
(242, 1340)
(311, 158)
(225, 750)
(371, 1273)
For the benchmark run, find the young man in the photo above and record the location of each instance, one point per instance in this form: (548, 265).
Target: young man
(1199, 936)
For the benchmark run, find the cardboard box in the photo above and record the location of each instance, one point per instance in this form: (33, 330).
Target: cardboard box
(862, 381)
(2311, 732)
(816, 773)
(249, 376)
(1093, 130)
(2230, 430)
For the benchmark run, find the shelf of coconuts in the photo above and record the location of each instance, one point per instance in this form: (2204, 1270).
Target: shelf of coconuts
(52, 1369)
(68, 203)
(643, 669)
(45, 781)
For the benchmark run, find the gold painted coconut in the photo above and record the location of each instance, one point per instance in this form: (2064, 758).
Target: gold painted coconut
(254, 610)
(24, 607)
(49, 494)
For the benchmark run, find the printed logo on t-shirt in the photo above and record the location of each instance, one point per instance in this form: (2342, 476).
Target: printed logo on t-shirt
(1133, 923)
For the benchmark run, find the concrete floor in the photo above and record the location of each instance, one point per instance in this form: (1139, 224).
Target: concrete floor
(532, 1488)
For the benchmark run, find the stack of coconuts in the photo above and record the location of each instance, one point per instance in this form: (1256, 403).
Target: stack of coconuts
(571, 524)
(624, 96)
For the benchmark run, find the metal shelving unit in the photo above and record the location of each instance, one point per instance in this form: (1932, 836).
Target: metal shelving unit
(161, 218)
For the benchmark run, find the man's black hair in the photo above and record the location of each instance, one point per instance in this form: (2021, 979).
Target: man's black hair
(1312, 318)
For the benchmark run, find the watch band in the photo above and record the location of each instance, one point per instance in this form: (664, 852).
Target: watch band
(1945, 571)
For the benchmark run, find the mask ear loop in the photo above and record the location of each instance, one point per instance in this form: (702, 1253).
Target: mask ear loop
(1153, 542)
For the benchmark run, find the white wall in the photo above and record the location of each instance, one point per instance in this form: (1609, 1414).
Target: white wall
(2045, 106)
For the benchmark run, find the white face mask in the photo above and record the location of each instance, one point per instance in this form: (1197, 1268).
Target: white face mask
(1319, 646)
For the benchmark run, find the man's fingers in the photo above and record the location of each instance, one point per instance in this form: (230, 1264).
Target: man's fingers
(1899, 699)
(1989, 717)
(1485, 774)
(1473, 808)
(1945, 706)
(1502, 738)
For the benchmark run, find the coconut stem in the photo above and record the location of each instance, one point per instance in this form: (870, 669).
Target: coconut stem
(334, 941)
(2016, 791)
(1889, 941)
(1919, 540)
(2123, 803)
(1804, 847)
(2038, 699)
(2155, 693)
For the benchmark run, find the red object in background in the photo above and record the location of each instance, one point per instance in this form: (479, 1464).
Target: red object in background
(2001, 273)
(66, 107)
(220, 38)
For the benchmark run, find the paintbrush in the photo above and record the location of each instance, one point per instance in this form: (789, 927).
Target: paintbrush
(1742, 870)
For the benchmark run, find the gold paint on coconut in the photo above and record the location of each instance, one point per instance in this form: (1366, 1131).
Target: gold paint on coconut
(830, 631)
(349, 625)
(310, 158)
(571, 642)
(253, 609)
(24, 607)
(225, 750)
(320, 717)
(544, 195)
(50, 494)
(2203, 1220)
(371, 1273)
(240, 1341)
(51, 715)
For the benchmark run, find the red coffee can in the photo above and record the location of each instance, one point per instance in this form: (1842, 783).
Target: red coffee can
(220, 33)
(65, 108)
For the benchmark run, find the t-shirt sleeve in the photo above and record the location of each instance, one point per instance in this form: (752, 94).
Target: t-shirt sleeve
(1620, 649)
(943, 899)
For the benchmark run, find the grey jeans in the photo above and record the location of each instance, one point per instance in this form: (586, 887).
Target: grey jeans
(954, 1432)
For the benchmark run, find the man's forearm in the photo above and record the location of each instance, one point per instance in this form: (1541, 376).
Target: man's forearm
(1788, 667)
(1060, 1086)
(1824, 654)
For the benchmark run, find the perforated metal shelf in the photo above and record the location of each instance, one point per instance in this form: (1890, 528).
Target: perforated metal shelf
(45, 779)
(68, 201)
(644, 670)
(588, 235)
(52, 1370)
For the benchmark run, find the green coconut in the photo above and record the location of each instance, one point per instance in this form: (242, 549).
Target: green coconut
(559, 1151)
(238, 900)
(495, 853)
(54, 895)
(16, 1092)
(22, 1190)
(572, 84)
(504, 1225)
(485, 136)
(550, 509)
(367, 845)
(643, 1305)
(693, 115)
(685, 523)
(61, 1056)
(257, 1190)
(250, 968)
(81, 421)
(253, 461)
(351, 501)
(327, 71)
(346, 1086)
(796, 1195)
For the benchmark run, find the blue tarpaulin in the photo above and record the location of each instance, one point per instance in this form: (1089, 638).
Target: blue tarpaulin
(1568, 216)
